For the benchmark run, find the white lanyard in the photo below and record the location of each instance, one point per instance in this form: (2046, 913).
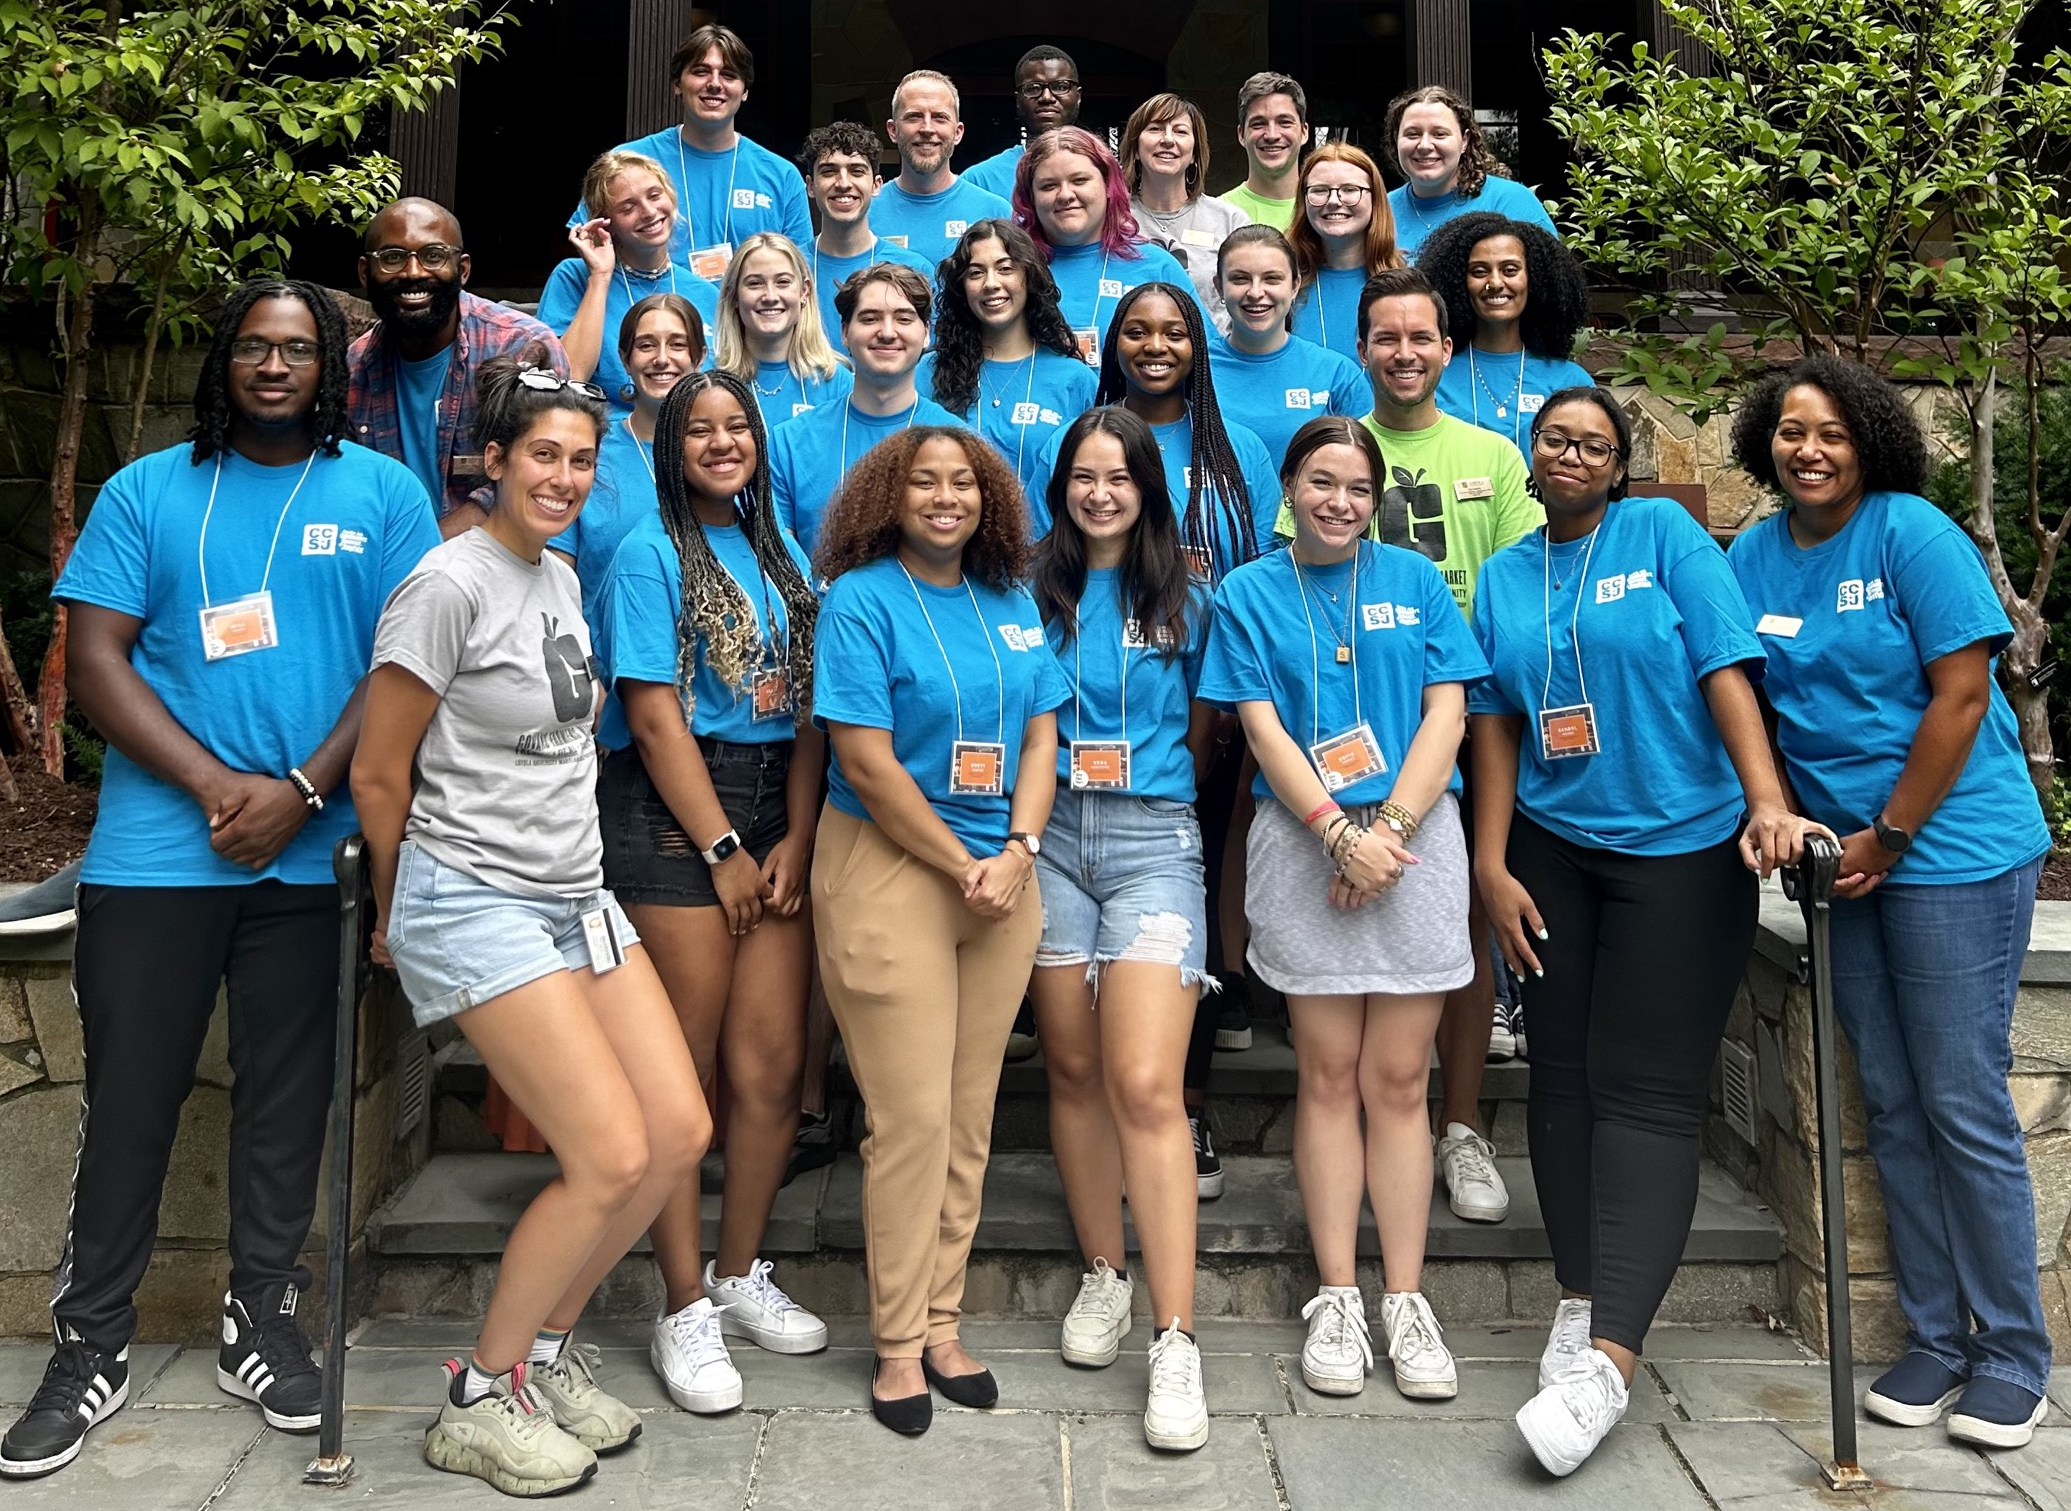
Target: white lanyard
(1575, 626)
(1516, 420)
(849, 409)
(641, 447)
(683, 176)
(999, 674)
(766, 632)
(202, 551)
(1078, 641)
(1020, 428)
(1098, 283)
(1315, 660)
(871, 254)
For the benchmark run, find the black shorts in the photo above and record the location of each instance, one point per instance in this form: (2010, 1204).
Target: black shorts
(647, 856)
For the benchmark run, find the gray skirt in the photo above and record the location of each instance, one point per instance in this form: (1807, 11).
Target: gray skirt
(1413, 938)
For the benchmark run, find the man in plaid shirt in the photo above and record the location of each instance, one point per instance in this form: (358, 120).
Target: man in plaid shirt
(413, 374)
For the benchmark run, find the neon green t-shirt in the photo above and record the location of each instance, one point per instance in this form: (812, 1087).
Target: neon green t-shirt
(1277, 213)
(1455, 493)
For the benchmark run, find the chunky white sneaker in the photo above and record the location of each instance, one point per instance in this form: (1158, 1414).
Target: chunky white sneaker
(1177, 1414)
(754, 1307)
(1569, 1337)
(690, 1356)
(1099, 1318)
(1339, 1348)
(598, 1421)
(509, 1438)
(1565, 1421)
(1467, 1165)
(1416, 1347)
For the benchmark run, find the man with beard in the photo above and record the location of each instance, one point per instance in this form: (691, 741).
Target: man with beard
(927, 208)
(1046, 94)
(413, 374)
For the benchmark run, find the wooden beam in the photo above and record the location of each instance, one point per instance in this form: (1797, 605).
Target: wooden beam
(1442, 45)
(426, 144)
(1665, 37)
(655, 27)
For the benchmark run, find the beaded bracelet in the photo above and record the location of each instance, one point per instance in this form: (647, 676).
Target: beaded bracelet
(311, 798)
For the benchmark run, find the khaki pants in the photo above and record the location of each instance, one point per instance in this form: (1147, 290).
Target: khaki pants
(925, 993)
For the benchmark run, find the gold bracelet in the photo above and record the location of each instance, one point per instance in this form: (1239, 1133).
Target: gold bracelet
(1399, 818)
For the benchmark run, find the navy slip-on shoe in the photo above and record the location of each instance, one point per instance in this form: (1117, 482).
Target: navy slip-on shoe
(1914, 1392)
(1996, 1414)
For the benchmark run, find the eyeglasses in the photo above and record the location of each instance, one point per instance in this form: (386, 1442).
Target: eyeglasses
(1058, 87)
(1552, 444)
(433, 257)
(250, 351)
(546, 380)
(1323, 194)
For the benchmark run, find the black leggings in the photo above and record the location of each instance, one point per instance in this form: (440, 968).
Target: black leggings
(1213, 806)
(1642, 958)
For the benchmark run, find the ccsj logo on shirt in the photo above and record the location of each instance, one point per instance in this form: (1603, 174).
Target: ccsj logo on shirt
(1298, 398)
(1378, 616)
(1855, 593)
(319, 540)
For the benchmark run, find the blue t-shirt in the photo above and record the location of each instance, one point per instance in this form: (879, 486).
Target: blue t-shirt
(1656, 611)
(357, 527)
(622, 494)
(830, 272)
(636, 637)
(877, 663)
(1477, 384)
(1176, 448)
(419, 386)
(722, 198)
(931, 224)
(1327, 311)
(1274, 396)
(784, 396)
(810, 456)
(1090, 282)
(1417, 219)
(995, 175)
(1404, 632)
(565, 286)
(1161, 687)
(1023, 405)
(1850, 625)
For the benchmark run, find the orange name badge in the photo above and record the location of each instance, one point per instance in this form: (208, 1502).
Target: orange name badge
(771, 695)
(1344, 759)
(1100, 765)
(238, 627)
(977, 768)
(711, 263)
(1197, 561)
(1570, 731)
(1089, 344)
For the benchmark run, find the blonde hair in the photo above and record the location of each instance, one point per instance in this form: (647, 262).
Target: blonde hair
(928, 76)
(811, 355)
(596, 183)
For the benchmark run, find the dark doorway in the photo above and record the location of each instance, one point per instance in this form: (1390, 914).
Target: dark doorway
(1115, 82)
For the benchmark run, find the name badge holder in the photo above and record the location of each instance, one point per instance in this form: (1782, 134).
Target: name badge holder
(977, 768)
(769, 693)
(1352, 755)
(1088, 338)
(710, 263)
(769, 686)
(1099, 765)
(1570, 730)
(1346, 758)
(1199, 563)
(600, 937)
(246, 624)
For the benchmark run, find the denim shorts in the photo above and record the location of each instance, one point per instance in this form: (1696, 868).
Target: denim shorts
(458, 942)
(647, 856)
(1121, 880)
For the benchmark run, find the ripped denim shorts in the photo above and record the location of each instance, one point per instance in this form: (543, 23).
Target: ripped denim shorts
(1121, 879)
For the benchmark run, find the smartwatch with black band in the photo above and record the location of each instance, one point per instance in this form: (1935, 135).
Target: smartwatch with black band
(1890, 836)
(722, 848)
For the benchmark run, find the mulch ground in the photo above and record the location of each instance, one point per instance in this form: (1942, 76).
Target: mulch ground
(49, 829)
(2056, 878)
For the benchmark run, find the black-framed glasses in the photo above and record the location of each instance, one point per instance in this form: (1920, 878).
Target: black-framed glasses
(1041, 87)
(250, 351)
(546, 380)
(433, 257)
(1553, 444)
(1323, 194)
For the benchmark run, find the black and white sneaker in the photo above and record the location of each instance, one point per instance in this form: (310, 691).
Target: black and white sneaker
(1233, 1015)
(1207, 1164)
(265, 1359)
(81, 1388)
(1502, 1034)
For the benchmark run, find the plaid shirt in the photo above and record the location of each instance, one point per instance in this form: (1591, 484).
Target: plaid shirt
(486, 330)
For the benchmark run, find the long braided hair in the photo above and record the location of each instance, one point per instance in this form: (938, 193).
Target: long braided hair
(960, 340)
(715, 608)
(1213, 468)
(211, 432)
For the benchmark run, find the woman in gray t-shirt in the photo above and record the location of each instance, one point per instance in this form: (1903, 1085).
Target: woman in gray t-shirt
(475, 781)
(1165, 160)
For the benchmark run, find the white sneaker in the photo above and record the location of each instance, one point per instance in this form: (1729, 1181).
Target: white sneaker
(1565, 1421)
(508, 1437)
(1099, 1318)
(1467, 1165)
(690, 1356)
(754, 1307)
(1339, 1348)
(1416, 1346)
(1570, 1336)
(1176, 1416)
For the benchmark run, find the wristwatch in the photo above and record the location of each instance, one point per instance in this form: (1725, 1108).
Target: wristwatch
(722, 848)
(1891, 837)
(1032, 843)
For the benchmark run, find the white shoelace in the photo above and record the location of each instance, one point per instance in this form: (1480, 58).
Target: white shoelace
(1416, 1335)
(1470, 1160)
(576, 1370)
(1175, 1363)
(1587, 1390)
(1094, 1285)
(697, 1333)
(762, 1290)
(1344, 1322)
(1570, 1328)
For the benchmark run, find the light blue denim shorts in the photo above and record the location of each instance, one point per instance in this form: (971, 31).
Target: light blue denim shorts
(458, 942)
(1121, 879)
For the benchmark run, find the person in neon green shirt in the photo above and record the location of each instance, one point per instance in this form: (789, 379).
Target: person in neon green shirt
(1272, 128)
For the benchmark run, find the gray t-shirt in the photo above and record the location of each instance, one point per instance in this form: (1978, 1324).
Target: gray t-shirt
(1194, 235)
(506, 774)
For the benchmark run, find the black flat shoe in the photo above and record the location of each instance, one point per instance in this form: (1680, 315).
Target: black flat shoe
(909, 1416)
(980, 1390)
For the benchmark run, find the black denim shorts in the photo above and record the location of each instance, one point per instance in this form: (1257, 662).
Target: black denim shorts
(647, 856)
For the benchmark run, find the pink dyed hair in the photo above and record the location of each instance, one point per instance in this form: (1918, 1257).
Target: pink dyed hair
(1118, 234)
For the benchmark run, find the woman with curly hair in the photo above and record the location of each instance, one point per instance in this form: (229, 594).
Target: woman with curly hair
(1343, 235)
(1004, 360)
(706, 799)
(770, 333)
(1881, 628)
(1072, 198)
(1449, 168)
(938, 692)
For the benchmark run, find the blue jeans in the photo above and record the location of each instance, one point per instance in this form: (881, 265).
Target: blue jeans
(1924, 983)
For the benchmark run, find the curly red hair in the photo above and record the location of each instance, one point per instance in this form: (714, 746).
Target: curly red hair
(862, 521)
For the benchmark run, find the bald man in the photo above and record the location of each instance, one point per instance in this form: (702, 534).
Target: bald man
(413, 374)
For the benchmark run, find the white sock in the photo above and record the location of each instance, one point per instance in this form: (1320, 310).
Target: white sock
(546, 1346)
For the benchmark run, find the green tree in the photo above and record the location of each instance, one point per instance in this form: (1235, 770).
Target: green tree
(1877, 178)
(173, 148)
